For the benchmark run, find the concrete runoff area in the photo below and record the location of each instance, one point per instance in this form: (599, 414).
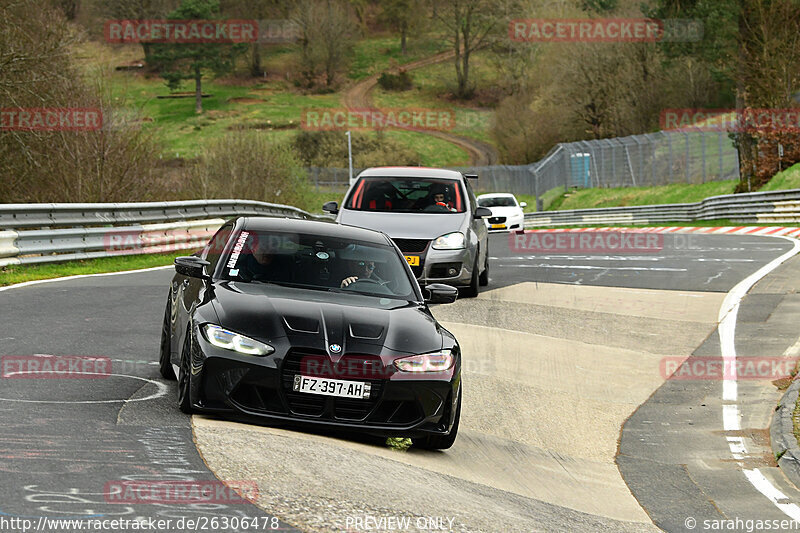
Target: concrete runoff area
(540, 425)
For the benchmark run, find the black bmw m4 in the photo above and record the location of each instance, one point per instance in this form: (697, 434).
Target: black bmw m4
(311, 323)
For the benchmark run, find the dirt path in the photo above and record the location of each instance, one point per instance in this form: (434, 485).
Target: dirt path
(359, 96)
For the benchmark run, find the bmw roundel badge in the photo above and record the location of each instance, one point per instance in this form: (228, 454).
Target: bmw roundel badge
(335, 348)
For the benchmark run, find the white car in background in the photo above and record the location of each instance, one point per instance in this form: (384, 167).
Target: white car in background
(507, 212)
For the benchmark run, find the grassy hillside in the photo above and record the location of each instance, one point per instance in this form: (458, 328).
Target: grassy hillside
(273, 106)
(557, 199)
(787, 179)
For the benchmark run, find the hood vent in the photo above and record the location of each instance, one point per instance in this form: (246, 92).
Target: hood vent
(366, 331)
(302, 324)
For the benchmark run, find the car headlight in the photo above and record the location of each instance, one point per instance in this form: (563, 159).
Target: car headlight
(222, 338)
(451, 241)
(428, 362)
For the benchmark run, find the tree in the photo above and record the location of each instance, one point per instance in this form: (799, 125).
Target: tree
(467, 24)
(260, 10)
(138, 10)
(752, 47)
(403, 16)
(326, 37)
(70, 8)
(114, 163)
(178, 61)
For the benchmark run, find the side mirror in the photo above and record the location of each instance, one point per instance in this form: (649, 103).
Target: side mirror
(439, 293)
(192, 266)
(482, 212)
(330, 207)
(523, 204)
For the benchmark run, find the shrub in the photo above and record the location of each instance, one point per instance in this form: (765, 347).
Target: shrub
(246, 165)
(401, 81)
(113, 164)
(329, 149)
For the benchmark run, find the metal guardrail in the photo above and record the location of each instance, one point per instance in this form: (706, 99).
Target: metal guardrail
(779, 207)
(48, 233)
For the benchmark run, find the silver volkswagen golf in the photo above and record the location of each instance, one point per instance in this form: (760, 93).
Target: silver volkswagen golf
(432, 216)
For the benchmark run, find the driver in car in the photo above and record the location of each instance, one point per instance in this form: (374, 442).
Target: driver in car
(361, 270)
(438, 198)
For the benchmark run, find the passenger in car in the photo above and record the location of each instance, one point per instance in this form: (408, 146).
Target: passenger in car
(265, 264)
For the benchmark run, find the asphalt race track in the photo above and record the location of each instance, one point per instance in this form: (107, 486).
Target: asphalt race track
(569, 423)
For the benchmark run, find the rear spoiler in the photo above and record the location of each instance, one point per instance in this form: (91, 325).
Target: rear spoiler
(471, 176)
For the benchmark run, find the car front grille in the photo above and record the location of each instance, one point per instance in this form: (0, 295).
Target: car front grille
(497, 220)
(329, 407)
(412, 246)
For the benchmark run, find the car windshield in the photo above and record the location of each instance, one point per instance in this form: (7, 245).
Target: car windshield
(316, 262)
(407, 195)
(497, 201)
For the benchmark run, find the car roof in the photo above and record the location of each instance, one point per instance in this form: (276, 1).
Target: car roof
(497, 195)
(313, 227)
(411, 172)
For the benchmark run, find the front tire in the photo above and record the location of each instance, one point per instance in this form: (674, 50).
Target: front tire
(441, 442)
(484, 278)
(185, 376)
(165, 353)
(472, 290)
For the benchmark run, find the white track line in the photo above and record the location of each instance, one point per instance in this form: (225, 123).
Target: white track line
(731, 416)
(78, 276)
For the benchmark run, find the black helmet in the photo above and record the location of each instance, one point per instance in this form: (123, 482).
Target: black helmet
(438, 188)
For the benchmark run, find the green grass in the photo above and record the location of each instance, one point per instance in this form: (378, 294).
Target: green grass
(468, 122)
(786, 179)
(376, 54)
(20, 273)
(270, 107)
(274, 107)
(433, 152)
(557, 199)
(431, 84)
(398, 443)
(547, 199)
(666, 194)
(313, 200)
